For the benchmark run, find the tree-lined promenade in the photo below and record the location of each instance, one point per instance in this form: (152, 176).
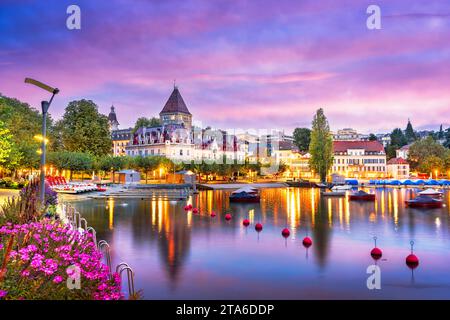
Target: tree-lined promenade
(80, 144)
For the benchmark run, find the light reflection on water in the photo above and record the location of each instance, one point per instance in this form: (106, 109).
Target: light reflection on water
(179, 255)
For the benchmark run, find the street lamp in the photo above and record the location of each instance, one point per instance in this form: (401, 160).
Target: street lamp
(45, 106)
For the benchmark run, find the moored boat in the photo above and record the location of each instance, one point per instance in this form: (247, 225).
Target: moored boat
(245, 194)
(424, 202)
(431, 193)
(333, 193)
(361, 196)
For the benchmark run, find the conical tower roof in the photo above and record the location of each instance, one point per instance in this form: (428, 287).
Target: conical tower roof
(175, 103)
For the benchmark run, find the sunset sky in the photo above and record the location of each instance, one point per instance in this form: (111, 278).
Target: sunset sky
(238, 64)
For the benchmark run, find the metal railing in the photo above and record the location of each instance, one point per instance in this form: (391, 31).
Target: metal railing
(80, 224)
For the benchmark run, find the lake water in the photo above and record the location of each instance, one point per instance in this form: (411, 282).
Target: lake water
(179, 255)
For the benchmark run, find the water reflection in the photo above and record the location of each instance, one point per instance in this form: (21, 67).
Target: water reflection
(178, 254)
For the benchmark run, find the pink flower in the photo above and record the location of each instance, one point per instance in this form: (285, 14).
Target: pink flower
(25, 273)
(57, 279)
(3, 293)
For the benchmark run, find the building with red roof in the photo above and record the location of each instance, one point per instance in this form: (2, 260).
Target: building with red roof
(398, 168)
(359, 159)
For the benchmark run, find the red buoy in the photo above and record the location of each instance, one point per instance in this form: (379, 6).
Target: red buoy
(376, 253)
(195, 211)
(258, 227)
(412, 261)
(186, 208)
(246, 222)
(190, 206)
(307, 242)
(228, 217)
(285, 232)
(213, 214)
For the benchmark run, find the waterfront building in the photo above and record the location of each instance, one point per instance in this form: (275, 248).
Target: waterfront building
(398, 168)
(359, 159)
(120, 140)
(403, 152)
(178, 140)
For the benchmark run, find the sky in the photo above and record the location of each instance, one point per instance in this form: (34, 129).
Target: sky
(238, 64)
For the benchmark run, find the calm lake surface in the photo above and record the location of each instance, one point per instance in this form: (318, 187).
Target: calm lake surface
(179, 255)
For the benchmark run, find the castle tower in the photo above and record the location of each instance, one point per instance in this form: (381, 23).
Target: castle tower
(175, 111)
(112, 118)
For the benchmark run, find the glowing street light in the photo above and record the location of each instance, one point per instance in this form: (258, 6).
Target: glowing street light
(45, 106)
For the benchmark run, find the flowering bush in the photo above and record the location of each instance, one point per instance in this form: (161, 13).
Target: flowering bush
(37, 259)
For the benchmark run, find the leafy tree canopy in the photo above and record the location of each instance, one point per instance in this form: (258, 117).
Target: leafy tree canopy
(302, 138)
(84, 129)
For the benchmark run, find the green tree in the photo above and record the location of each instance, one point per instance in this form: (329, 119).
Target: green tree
(447, 138)
(302, 138)
(440, 134)
(398, 138)
(113, 164)
(421, 149)
(372, 137)
(146, 122)
(146, 164)
(84, 129)
(410, 135)
(6, 143)
(431, 164)
(321, 146)
(73, 161)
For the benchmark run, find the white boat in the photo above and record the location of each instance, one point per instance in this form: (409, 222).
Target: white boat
(431, 192)
(342, 188)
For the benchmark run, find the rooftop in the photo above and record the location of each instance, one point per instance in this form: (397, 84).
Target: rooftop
(397, 161)
(368, 146)
(175, 103)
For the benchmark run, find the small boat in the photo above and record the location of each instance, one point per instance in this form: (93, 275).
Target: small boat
(361, 196)
(321, 185)
(245, 194)
(431, 193)
(342, 188)
(333, 193)
(424, 202)
(101, 188)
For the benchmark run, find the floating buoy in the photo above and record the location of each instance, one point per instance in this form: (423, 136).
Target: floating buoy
(246, 222)
(412, 261)
(213, 214)
(307, 242)
(258, 227)
(285, 232)
(228, 217)
(186, 208)
(195, 211)
(190, 206)
(376, 253)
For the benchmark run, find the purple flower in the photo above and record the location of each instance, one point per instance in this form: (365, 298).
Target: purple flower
(3, 293)
(57, 279)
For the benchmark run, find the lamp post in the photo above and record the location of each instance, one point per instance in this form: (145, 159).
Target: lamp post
(45, 106)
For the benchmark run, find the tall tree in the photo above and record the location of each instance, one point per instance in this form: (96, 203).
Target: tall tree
(302, 138)
(146, 122)
(372, 137)
(321, 146)
(84, 129)
(440, 134)
(410, 135)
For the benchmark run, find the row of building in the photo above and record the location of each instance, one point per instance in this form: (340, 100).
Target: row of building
(178, 139)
